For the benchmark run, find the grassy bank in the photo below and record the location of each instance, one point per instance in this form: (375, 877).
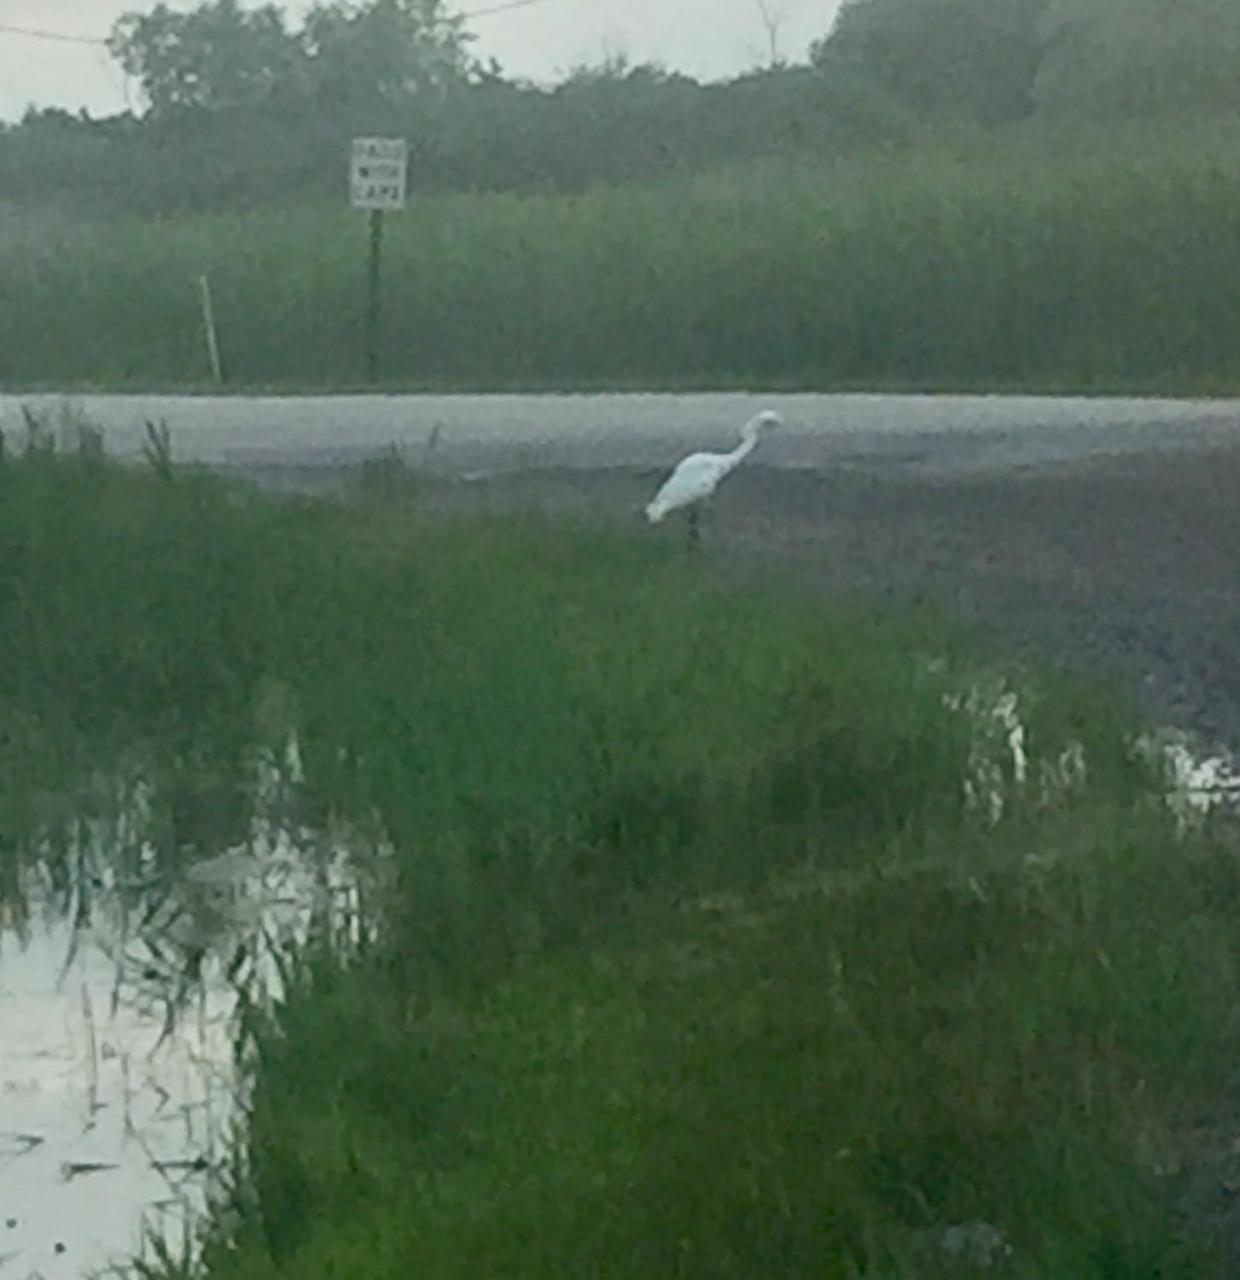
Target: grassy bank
(1012, 262)
(695, 958)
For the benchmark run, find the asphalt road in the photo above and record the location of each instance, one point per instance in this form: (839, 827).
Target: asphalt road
(928, 434)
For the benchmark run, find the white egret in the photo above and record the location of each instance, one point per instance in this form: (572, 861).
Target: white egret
(696, 477)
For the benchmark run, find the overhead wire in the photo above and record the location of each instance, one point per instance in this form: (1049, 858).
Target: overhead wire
(502, 8)
(36, 33)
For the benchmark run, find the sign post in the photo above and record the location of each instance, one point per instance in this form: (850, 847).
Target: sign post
(378, 179)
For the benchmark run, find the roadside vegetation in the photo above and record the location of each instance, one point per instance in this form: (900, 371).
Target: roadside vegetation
(1098, 266)
(725, 932)
(949, 194)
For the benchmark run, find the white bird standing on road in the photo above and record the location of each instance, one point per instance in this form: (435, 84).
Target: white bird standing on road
(697, 477)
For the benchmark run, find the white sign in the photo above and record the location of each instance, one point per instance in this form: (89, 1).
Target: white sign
(378, 173)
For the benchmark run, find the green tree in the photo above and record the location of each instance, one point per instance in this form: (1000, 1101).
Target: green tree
(217, 56)
(348, 54)
(942, 59)
(387, 53)
(1114, 59)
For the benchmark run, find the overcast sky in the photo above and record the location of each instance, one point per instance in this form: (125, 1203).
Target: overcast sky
(707, 38)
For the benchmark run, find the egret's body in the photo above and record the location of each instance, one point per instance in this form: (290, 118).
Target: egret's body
(696, 477)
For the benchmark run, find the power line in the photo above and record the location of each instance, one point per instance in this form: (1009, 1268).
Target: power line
(34, 33)
(49, 35)
(502, 8)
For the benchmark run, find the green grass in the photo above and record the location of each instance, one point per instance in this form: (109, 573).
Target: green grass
(787, 1085)
(1008, 262)
(693, 961)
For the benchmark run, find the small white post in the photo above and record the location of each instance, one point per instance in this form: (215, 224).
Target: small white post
(208, 322)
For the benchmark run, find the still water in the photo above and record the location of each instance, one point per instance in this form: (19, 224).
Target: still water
(108, 1124)
(119, 1080)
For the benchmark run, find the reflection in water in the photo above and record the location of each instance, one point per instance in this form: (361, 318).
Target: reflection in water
(118, 1082)
(108, 1125)
(1199, 782)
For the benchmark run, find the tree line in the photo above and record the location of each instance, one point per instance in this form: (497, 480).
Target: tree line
(242, 109)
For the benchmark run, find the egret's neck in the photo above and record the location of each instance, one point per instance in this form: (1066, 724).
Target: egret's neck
(749, 441)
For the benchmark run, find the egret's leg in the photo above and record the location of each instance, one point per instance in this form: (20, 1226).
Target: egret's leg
(695, 533)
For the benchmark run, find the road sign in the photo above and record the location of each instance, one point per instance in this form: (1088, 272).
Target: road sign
(378, 173)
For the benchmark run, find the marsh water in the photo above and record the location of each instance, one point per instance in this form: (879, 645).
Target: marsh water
(119, 1050)
(109, 1119)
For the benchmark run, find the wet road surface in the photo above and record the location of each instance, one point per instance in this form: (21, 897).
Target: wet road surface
(919, 434)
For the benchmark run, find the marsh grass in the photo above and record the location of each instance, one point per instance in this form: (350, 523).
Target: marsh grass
(796, 1086)
(694, 961)
(1036, 261)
